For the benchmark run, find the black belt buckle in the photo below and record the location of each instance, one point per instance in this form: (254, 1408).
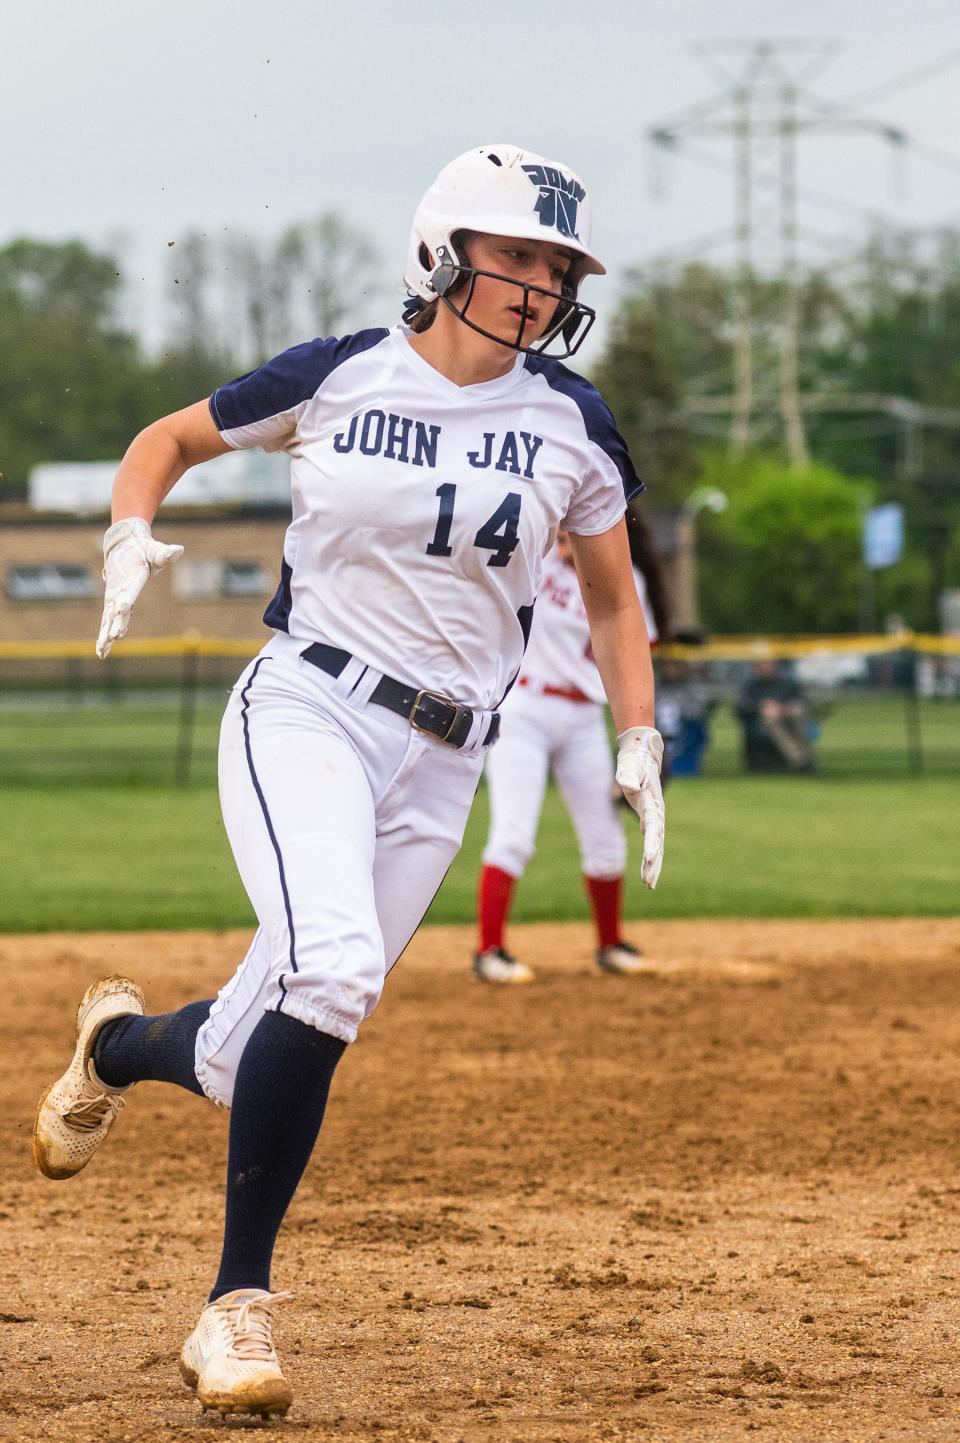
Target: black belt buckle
(438, 721)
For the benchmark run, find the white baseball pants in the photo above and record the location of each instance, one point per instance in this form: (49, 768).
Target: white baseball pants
(343, 821)
(540, 734)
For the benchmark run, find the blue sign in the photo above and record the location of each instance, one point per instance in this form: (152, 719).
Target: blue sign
(883, 535)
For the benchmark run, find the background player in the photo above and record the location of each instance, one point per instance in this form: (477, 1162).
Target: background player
(431, 469)
(554, 721)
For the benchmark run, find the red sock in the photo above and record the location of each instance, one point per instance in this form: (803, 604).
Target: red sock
(494, 895)
(605, 895)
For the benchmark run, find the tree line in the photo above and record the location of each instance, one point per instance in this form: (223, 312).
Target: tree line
(76, 383)
(786, 555)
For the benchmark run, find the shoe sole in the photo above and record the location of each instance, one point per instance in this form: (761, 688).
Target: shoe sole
(56, 1174)
(189, 1375)
(272, 1400)
(92, 995)
(504, 981)
(227, 1407)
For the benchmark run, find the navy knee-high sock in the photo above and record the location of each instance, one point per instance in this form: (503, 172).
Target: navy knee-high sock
(151, 1049)
(279, 1098)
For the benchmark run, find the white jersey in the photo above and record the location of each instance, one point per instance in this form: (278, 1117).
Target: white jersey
(559, 653)
(423, 510)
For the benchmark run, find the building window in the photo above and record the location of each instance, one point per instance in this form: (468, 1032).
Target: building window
(195, 580)
(50, 583)
(245, 578)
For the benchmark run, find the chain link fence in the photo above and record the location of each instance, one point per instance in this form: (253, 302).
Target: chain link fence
(150, 715)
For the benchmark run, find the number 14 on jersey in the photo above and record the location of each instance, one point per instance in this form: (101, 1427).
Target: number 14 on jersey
(499, 534)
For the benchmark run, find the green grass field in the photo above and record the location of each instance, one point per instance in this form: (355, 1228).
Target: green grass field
(135, 740)
(95, 854)
(97, 835)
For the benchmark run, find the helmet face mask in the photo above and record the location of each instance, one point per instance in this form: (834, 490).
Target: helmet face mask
(503, 191)
(571, 320)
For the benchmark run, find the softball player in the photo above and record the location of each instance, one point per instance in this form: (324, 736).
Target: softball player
(554, 721)
(431, 467)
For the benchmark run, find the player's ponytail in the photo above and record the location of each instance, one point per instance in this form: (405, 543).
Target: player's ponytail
(644, 556)
(418, 314)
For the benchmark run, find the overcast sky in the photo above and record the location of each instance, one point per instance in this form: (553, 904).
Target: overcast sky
(127, 123)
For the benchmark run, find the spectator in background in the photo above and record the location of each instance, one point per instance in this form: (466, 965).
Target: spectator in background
(684, 705)
(776, 721)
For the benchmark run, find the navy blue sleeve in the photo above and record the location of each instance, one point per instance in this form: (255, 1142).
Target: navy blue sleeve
(597, 416)
(280, 385)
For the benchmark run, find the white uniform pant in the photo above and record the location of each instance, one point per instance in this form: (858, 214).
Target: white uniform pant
(343, 821)
(540, 734)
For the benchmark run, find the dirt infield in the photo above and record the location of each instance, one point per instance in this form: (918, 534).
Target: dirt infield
(717, 1201)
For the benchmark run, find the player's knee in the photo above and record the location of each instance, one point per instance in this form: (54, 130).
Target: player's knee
(605, 860)
(509, 855)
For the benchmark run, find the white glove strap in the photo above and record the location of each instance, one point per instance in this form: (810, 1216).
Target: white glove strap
(642, 739)
(122, 530)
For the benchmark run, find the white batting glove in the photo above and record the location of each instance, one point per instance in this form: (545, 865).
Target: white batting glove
(130, 557)
(638, 776)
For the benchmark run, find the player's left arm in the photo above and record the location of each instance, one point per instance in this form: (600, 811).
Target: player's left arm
(621, 648)
(618, 632)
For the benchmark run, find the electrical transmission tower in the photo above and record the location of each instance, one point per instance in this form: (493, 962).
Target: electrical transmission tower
(764, 111)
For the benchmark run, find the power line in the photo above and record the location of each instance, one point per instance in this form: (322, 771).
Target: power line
(709, 161)
(934, 153)
(763, 113)
(766, 53)
(840, 111)
(909, 78)
(831, 113)
(687, 249)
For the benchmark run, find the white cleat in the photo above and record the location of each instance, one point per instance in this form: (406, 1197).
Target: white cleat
(230, 1360)
(496, 965)
(622, 958)
(78, 1111)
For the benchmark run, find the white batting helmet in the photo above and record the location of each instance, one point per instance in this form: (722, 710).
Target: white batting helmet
(503, 190)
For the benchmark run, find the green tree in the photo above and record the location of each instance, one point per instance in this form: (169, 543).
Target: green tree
(885, 325)
(642, 389)
(67, 278)
(691, 309)
(785, 555)
(71, 383)
(255, 296)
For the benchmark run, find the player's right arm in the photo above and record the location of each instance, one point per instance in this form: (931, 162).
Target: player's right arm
(157, 458)
(154, 462)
